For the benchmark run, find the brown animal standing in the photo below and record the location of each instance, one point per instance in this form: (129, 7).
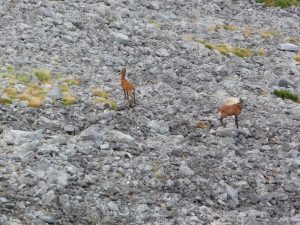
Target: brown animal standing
(128, 88)
(231, 107)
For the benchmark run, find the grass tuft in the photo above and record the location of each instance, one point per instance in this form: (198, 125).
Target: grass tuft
(68, 99)
(64, 88)
(267, 33)
(100, 93)
(11, 92)
(226, 49)
(201, 124)
(207, 44)
(33, 101)
(242, 52)
(70, 81)
(157, 24)
(5, 101)
(43, 75)
(297, 57)
(247, 32)
(280, 3)
(23, 78)
(112, 104)
(261, 52)
(286, 94)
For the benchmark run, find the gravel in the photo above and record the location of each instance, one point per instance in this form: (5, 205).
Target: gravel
(169, 161)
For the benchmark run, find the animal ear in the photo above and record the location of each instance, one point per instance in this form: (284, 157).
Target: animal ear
(241, 100)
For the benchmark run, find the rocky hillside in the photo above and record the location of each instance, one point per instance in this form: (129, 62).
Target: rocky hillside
(73, 152)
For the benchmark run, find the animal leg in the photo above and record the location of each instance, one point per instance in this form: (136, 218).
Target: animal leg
(236, 121)
(131, 100)
(133, 94)
(125, 94)
(221, 120)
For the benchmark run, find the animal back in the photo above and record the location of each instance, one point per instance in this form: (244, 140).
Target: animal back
(231, 101)
(127, 86)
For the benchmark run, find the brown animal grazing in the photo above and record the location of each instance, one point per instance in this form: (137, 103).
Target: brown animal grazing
(231, 107)
(128, 88)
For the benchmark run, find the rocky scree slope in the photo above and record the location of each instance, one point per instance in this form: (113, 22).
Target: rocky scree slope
(169, 162)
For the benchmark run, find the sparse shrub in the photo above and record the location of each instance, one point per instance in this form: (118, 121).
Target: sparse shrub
(286, 94)
(43, 75)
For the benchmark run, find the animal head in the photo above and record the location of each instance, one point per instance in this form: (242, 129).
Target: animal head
(123, 72)
(241, 100)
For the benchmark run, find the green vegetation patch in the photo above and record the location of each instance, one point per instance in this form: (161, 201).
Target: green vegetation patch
(280, 3)
(286, 94)
(226, 49)
(10, 68)
(43, 75)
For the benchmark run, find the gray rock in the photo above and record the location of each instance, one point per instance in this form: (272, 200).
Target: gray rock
(162, 53)
(121, 38)
(62, 178)
(55, 93)
(295, 112)
(289, 47)
(70, 129)
(19, 136)
(113, 206)
(49, 198)
(226, 132)
(48, 218)
(91, 134)
(159, 126)
(185, 170)
(233, 193)
(67, 38)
